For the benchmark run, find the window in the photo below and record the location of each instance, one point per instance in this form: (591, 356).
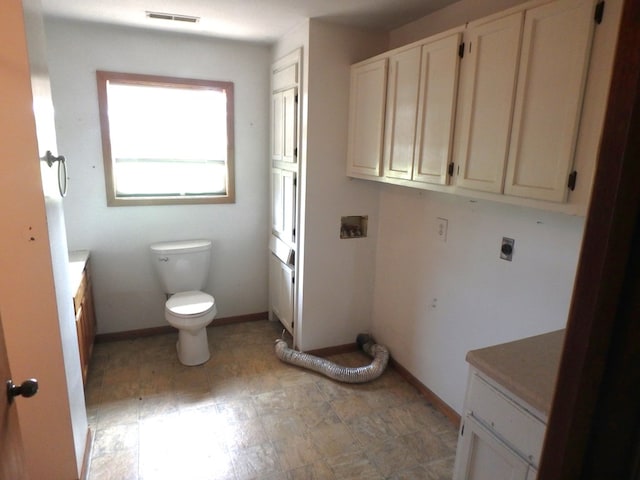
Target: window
(166, 140)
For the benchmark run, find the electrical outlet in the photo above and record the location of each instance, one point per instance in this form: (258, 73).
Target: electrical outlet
(506, 248)
(442, 225)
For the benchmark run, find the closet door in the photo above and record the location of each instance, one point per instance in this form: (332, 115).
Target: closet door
(284, 126)
(436, 110)
(283, 203)
(487, 90)
(366, 118)
(553, 67)
(402, 109)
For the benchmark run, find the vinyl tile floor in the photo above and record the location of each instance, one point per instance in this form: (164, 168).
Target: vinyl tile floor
(246, 415)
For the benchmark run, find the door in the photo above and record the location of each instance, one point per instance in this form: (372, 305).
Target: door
(436, 107)
(488, 75)
(367, 97)
(11, 451)
(553, 69)
(284, 126)
(402, 110)
(283, 205)
(483, 456)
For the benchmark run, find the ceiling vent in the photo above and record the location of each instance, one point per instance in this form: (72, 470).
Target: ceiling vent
(173, 17)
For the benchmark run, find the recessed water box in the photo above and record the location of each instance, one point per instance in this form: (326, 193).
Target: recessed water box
(353, 226)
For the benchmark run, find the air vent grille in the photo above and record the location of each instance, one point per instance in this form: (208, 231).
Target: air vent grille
(173, 17)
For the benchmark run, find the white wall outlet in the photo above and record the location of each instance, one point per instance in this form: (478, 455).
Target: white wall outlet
(442, 225)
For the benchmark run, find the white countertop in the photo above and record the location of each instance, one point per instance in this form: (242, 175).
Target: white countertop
(77, 261)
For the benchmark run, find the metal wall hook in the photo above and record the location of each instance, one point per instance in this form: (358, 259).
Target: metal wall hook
(50, 158)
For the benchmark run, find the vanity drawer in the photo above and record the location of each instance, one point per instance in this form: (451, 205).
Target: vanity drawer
(514, 425)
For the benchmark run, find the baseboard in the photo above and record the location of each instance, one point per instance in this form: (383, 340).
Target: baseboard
(147, 332)
(327, 352)
(86, 459)
(431, 397)
(434, 399)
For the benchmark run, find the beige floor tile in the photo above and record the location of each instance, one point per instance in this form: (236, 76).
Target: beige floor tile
(244, 415)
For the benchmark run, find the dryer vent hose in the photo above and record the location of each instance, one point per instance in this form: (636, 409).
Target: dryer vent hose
(332, 370)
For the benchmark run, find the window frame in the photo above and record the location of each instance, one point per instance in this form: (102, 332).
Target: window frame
(103, 78)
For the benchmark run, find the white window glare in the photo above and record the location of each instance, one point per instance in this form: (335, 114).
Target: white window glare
(167, 142)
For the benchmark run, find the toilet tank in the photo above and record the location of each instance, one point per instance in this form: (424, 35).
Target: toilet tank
(182, 265)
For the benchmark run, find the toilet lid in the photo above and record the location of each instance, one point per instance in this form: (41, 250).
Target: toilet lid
(187, 304)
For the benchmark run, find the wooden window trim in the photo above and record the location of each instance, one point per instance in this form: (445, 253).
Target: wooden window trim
(103, 77)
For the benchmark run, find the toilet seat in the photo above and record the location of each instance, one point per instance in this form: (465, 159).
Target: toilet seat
(190, 304)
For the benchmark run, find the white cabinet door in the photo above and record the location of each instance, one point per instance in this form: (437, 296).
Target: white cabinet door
(281, 287)
(436, 110)
(485, 103)
(366, 118)
(284, 126)
(401, 116)
(483, 456)
(283, 203)
(551, 79)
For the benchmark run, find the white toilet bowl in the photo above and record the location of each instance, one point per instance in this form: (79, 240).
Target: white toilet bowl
(190, 312)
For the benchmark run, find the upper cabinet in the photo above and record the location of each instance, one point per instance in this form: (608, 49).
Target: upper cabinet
(552, 75)
(402, 110)
(492, 109)
(487, 90)
(366, 118)
(521, 95)
(436, 110)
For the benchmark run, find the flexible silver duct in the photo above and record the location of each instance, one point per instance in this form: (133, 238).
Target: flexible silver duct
(332, 370)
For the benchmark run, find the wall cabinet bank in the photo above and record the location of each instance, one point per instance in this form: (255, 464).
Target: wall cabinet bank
(507, 108)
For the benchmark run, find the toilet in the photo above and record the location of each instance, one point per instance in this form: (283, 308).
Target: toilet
(183, 269)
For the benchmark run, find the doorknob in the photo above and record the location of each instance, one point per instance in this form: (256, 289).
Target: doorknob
(27, 389)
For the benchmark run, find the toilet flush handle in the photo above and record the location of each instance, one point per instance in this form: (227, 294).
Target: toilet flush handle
(163, 259)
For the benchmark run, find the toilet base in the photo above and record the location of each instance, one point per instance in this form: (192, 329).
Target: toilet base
(192, 347)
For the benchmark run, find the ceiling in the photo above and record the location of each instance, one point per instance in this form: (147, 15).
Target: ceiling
(248, 20)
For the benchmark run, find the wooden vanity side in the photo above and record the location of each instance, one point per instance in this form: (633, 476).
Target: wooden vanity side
(85, 319)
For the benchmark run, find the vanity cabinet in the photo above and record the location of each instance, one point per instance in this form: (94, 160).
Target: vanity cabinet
(509, 394)
(499, 437)
(522, 85)
(83, 305)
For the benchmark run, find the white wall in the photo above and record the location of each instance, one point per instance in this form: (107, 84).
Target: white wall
(452, 16)
(127, 294)
(335, 277)
(338, 280)
(435, 301)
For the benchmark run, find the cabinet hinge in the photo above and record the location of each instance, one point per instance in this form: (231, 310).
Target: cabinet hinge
(461, 50)
(295, 98)
(462, 431)
(295, 152)
(572, 180)
(293, 280)
(293, 233)
(450, 169)
(295, 182)
(599, 12)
